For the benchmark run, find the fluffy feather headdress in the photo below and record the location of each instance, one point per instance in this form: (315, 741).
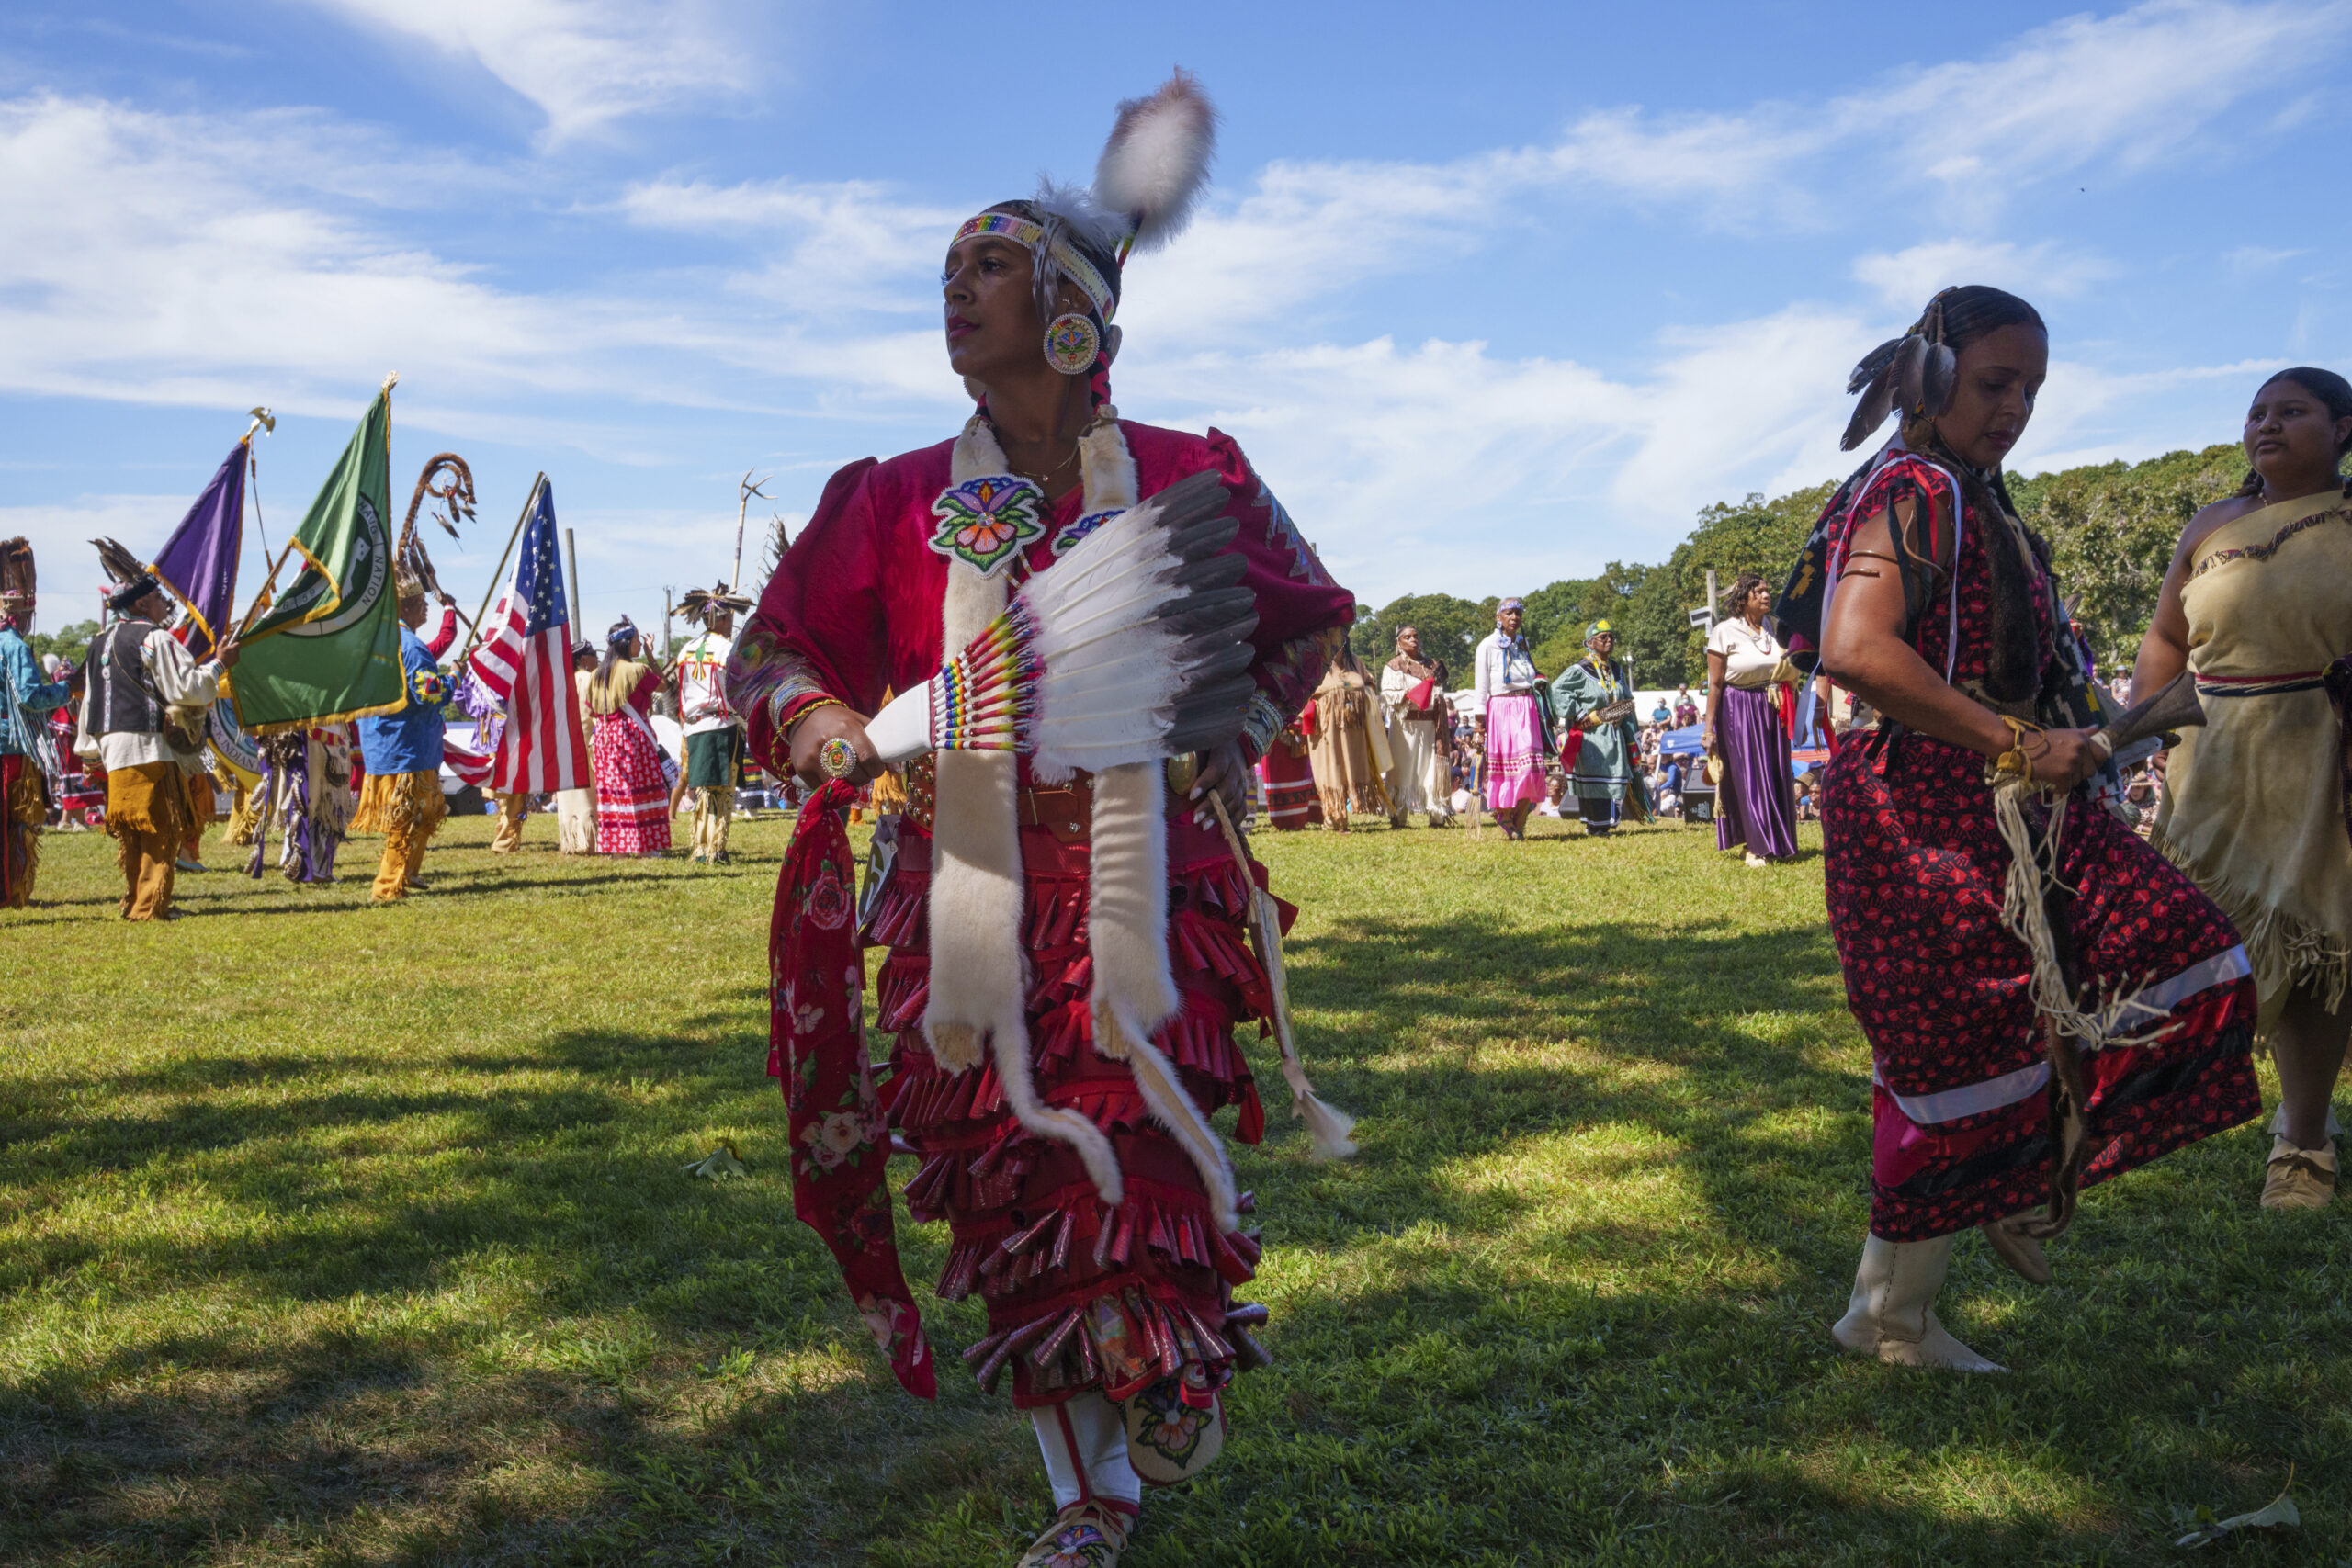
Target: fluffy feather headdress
(1147, 183)
(1156, 163)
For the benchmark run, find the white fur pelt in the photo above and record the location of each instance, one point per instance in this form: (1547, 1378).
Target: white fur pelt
(979, 976)
(1126, 902)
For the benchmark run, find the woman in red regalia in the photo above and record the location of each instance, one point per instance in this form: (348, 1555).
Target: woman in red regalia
(1067, 960)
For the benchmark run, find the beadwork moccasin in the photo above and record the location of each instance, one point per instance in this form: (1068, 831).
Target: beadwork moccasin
(1168, 1440)
(1087, 1534)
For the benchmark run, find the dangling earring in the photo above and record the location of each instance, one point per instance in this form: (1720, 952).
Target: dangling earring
(1073, 344)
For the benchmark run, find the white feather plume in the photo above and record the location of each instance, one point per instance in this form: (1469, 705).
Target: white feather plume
(1075, 207)
(1156, 163)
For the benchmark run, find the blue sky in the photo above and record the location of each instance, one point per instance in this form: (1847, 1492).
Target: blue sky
(1492, 294)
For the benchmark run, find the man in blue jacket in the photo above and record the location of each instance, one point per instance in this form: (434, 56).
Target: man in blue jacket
(402, 798)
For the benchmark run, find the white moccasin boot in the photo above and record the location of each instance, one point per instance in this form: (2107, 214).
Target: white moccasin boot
(1892, 1313)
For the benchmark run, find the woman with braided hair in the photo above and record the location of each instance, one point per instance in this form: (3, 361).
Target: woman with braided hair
(2257, 803)
(2036, 1024)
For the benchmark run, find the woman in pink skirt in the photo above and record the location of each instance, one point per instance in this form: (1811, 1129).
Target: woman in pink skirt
(633, 772)
(1511, 725)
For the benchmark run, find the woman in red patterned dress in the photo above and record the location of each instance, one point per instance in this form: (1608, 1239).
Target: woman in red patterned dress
(632, 785)
(1067, 960)
(1942, 614)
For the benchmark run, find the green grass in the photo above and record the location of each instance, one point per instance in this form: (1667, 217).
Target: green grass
(336, 1235)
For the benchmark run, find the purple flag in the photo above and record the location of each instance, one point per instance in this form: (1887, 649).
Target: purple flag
(198, 562)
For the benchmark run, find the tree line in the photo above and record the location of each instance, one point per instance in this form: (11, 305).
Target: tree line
(2111, 527)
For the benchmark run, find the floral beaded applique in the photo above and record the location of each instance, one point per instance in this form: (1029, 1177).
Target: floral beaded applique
(987, 521)
(1067, 540)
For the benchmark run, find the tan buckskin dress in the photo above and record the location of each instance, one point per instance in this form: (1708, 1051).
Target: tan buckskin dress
(2254, 802)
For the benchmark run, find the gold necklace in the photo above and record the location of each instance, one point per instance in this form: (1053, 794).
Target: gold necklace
(1040, 480)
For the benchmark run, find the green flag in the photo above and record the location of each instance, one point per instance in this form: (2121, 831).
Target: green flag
(330, 648)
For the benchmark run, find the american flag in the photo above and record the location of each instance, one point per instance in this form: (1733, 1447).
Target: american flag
(525, 659)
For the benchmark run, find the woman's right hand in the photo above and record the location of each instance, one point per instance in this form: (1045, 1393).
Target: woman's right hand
(822, 724)
(1707, 740)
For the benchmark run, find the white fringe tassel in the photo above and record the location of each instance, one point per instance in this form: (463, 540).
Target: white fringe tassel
(2025, 913)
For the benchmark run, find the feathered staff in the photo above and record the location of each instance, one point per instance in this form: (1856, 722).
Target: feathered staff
(455, 492)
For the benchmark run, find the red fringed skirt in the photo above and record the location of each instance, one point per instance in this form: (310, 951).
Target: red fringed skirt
(1080, 1295)
(1959, 1101)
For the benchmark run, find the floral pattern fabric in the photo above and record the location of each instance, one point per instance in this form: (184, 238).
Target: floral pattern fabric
(1916, 867)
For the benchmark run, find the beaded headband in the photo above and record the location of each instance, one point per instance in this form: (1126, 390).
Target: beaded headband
(1074, 266)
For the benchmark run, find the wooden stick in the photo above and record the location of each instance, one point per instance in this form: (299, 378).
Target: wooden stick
(497, 572)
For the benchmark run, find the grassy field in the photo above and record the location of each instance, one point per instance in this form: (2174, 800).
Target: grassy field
(332, 1234)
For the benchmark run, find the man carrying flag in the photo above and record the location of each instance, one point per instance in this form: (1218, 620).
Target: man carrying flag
(524, 663)
(402, 798)
(141, 686)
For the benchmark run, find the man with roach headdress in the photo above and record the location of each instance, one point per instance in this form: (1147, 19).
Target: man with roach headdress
(2048, 1002)
(1065, 916)
(714, 734)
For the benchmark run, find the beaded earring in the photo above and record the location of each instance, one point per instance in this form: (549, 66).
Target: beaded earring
(1073, 344)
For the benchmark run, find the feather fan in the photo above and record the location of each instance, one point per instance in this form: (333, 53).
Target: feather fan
(1156, 163)
(1133, 649)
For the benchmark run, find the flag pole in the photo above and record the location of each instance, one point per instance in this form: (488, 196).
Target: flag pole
(499, 571)
(571, 565)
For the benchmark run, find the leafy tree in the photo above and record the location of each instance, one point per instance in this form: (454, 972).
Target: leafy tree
(1450, 630)
(70, 642)
(2112, 529)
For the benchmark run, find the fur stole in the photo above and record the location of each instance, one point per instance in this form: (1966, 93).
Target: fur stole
(979, 976)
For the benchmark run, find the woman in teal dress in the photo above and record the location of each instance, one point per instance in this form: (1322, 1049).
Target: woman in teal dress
(1596, 696)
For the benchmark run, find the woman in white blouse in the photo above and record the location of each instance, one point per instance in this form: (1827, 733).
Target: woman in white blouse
(1510, 731)
(1754, 801)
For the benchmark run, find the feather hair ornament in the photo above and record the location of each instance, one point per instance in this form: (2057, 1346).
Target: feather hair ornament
(1156, 163)
(1914, 374)
(1133, 649)
(119, 563)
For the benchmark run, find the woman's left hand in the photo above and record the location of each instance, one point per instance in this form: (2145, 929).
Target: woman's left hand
(1226, 771)
(2065, 757)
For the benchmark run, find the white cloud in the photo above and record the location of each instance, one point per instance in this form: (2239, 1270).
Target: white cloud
(222, 260)
(583, 63)
(1905, 279)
